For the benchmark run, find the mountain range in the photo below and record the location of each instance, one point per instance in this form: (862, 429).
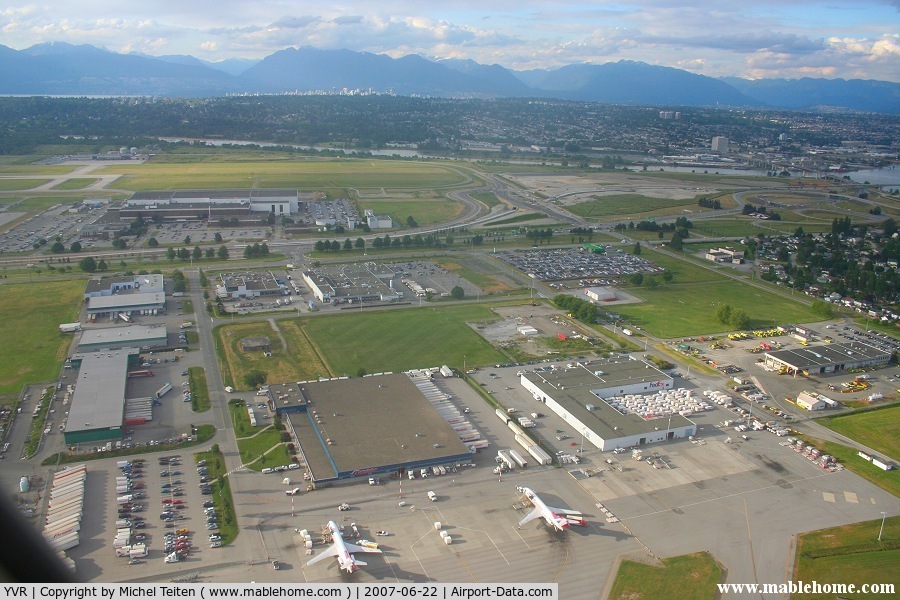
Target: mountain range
(55, 68)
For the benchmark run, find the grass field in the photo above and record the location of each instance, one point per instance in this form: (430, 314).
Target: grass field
(727, 227)
(240, 420)
(886, 480)
(278, 455)
(252, 448)
(199, 390)
(483, 280)
(424, 212)
(39, 348)
(299, 362)
(520, 218)
(683, 310)
(849, 554)
(14, 185)
(688, 577)
(401, 340)
(221, 496)
(488, 198)
(684, 271)
(878, 429)
(75, 184)
(166, 173)
(620, 205)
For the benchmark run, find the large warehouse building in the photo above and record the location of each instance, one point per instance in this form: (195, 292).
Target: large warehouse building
(827, 358)
(213, 204)
(115, 295)
(577, 395)
(97, 410)
(356, 427)
(132, 336)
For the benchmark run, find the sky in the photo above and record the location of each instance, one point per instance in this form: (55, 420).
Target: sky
(852, 39)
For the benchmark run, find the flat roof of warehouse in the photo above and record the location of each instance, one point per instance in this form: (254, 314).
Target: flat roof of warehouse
(123, 301)
(376, 421)
(828, 354)
(121, 335)
(99, 398)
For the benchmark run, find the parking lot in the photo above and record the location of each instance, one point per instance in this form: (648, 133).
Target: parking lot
(566, 263)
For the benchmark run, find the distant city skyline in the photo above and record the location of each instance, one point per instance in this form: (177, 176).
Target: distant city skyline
(761, 39)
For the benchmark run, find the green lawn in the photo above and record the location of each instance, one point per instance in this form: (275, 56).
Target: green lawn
(75, 184)
(14, 185)
(273, 458)
(253, 447)
(728, 227)
(424, 212)
(199, 390)
(688, 577)
(684, 270)
(400, 340)
(240, 420)
(681, 310)
(633, 205)
(168, 172)
(488, 198)
(221, 496)
(887, 480)
(878, 429)
(39, 349)
(849, 554)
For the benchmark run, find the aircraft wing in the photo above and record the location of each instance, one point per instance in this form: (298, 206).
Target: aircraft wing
(354, 549)
(563, 511)
(530, 516)
(331, 552)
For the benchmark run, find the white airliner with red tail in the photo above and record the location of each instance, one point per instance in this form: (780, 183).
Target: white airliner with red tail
(558, 518)
(342, 550)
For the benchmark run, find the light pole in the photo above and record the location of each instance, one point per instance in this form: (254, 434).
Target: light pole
(880, 531)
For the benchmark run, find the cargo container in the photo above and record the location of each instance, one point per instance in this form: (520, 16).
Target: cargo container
(506, 459)
(502, 414)
(520, 460)
(65, 542)
(163, 390)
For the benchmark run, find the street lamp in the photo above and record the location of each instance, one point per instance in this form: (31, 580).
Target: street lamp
(880, 531)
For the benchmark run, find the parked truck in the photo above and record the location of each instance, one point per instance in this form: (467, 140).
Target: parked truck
(125, 317)
(506, 459)
(163, 390)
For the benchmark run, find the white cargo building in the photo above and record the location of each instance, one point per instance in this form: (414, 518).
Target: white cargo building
(576, 394)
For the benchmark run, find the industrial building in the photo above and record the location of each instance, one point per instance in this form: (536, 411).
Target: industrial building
(214, 205)
(347, 428)
(577, 392)
(97, 409)
(725, 254)
(136, 302)
(110, 286)
(369, 282)
(378, 221)
(249, 285)
(131, 336)
(827, 358)
(599, 294)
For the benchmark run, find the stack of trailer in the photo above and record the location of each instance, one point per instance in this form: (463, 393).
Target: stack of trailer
(467, 433)
(65, 509)
(138, 411)
(658, 405)
(522, 438)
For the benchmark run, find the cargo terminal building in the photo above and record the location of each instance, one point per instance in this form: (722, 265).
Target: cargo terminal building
(827, 358)
(97, 410)
(357, 427)
(577, 395)
(132, 336)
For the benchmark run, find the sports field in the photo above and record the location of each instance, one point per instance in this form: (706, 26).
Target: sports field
(398, 340)
(878, 429)
(35, 349)
(849, 554)
(167, 173)
(671, 311)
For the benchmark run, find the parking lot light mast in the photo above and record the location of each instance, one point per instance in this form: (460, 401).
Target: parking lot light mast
(880, 531)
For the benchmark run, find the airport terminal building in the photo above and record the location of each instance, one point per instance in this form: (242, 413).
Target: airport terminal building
(578, 393)
(355, 427)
